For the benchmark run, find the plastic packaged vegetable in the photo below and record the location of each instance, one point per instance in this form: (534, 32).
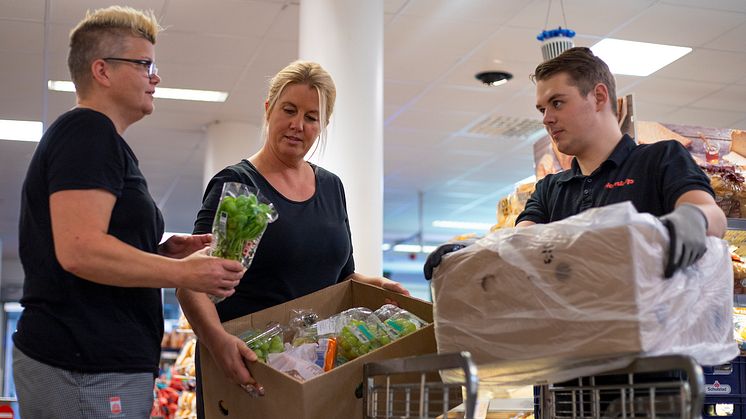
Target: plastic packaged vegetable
(399, 321)
(301, 328)
(240, 220)
(356, 338)
(265, 342)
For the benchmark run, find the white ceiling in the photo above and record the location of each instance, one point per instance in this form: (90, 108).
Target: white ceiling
(432, 103)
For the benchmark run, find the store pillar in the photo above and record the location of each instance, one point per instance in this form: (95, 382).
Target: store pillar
(227, 143)
(346, 38)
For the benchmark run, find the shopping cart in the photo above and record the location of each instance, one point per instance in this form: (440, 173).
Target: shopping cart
(651, 387)
(654, 387)
(412, 388)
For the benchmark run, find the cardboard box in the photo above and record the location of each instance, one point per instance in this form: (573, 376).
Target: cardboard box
(335, 394)
(585, 288)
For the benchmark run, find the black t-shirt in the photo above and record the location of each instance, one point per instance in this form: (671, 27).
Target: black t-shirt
(308, 247)
(651, 176)
(69, 322)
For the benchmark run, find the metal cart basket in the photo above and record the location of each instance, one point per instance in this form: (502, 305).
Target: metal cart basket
(652, 387)
(411, 388)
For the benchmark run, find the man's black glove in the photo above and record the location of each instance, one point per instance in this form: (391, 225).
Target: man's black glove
(687, 229)
(433, 259)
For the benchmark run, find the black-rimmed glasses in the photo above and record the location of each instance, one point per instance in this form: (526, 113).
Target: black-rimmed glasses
(149, 65)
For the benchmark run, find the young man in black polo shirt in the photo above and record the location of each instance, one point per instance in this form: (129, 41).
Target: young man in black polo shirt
(575, 92)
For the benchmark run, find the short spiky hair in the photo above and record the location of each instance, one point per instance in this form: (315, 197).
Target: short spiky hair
(103, 33)
(584, 69)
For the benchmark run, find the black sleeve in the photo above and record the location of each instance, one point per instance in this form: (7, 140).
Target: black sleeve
(536, 206)
(69, 163)
(211, 199)
(349, 267)
(679, 173)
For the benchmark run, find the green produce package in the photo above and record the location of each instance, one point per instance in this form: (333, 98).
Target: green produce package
(240, 221)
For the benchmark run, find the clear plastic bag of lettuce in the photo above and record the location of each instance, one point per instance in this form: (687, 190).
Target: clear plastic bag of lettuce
(264, 342)
(240, 220)
(399, 321)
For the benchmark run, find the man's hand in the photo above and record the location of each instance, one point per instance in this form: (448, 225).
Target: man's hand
(687, 229)
(434, 258)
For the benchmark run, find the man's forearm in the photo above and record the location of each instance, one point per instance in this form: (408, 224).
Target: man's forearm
(716, 221)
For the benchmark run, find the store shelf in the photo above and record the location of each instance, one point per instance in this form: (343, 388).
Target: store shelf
(169, 353)
(736, 223)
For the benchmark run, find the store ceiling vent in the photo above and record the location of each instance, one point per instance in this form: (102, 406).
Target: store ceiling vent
(506, 126)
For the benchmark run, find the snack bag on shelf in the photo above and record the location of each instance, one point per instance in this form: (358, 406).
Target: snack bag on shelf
(240, 220)
(187, 405)
(183, 324)
(264, 342)
(184, 364)
(730, 195)
(510, 207)
(739, 327)
(739, 274)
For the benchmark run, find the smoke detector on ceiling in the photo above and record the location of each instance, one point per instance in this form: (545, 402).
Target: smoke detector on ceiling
(493, 78)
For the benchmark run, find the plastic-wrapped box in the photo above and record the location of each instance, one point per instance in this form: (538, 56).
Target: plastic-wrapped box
(580, 296)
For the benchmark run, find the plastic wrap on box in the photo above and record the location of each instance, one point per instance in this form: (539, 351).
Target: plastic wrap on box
(579, 297)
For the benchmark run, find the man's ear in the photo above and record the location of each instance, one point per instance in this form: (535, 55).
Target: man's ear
(601, 95)
(100, 72)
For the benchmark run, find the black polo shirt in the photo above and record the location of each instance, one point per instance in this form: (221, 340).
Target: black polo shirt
(651, 176)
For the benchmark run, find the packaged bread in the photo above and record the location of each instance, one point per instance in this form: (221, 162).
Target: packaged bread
(511, 206)
(738, 141)
(728, 184)
(652, 132)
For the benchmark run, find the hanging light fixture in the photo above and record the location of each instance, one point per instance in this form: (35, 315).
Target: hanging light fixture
(555, 41)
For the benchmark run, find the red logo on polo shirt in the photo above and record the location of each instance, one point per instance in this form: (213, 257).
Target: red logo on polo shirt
(619, 183)
(115, 403)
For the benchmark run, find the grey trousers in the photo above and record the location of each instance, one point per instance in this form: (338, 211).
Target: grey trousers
(46, 392)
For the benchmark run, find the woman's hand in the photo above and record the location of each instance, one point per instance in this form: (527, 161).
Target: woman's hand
(233, 358)
(181, 246)
(378, 281)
